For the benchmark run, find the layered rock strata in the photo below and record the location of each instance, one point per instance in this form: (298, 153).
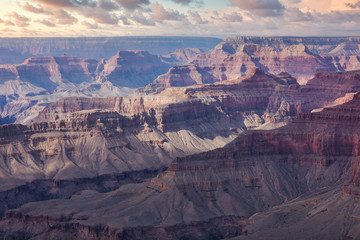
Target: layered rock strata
(236, 57)
(28, 87)
(301, 166)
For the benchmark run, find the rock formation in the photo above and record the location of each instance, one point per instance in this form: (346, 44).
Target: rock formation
(236, 57)
(294, 176)
(28, 87)
(182, 56)
(133, 69)
(64, 143)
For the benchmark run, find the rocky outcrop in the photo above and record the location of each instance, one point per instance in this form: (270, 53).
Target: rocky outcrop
(327, 87)
(255, 173)
(252, 95)
(125, 69)
(133, 69)
(65, 142)
(29, 86)
(182, 56)
(317, 45)
(297, 60)
(50, 72)
(41, 190)
(236, 57)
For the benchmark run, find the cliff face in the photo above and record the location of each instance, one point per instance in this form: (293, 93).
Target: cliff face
(133, 68)
(41, 80)
(236, 57)
(265, 97)
(74, 138)
(256, 95)
(28, 87)
(50, 72)
(299, 173)
(320, 45)
(182, 56)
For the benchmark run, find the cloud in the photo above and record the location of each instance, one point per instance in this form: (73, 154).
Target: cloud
(337, 17)
(159, 13)
(108, 5)
(20, 20)
(232, 17)
(68, 3)
(90, 25)
(296, 15)
(133, 4)
(187, 2)
(18, 17)
(8, 30)
(293, 1)
(355, 5)
(125, 20)
(47, 23)
(33, 9)
(64, 18)
(140, 18)
(197, 18)
(101, 16)
(261, 8)
(9, 23)
(79, 5)
(100, 11)
(183, 2)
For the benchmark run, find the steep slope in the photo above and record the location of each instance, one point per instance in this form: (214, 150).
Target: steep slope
(317, 45)
(236, 57)
(304, 166)
(250, 98)
(182, 56)
(28, 87)
(133, 69)
(140, 132)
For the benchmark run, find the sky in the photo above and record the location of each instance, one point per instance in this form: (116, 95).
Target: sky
(210, 18)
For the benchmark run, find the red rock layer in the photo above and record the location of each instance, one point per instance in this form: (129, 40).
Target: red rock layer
(320, 138)
(268, 96)
(239, 56)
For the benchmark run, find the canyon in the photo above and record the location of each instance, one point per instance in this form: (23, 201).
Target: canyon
(28, 87)
(256, 137)
(280, 174)
(98, 167)
(236, 57)
(25, 89)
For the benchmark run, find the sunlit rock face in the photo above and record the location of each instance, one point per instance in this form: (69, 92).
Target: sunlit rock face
(236, 57)
(309, 166)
